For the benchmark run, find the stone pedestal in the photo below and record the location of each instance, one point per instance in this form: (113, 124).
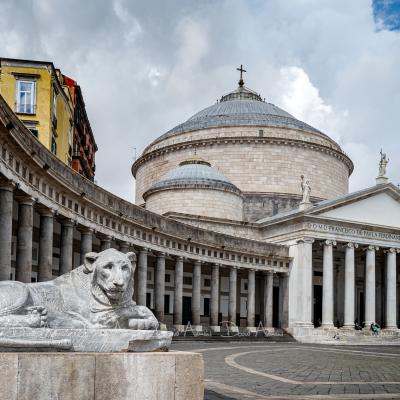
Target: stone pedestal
(117, 376)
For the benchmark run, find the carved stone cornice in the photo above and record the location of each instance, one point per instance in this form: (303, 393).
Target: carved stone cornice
(306, 240)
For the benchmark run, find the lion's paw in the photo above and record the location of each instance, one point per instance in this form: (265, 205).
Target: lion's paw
(36, 317)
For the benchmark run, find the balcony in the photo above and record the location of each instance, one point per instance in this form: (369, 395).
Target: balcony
(21, 108)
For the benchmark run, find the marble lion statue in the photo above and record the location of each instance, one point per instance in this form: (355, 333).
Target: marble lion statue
(97, 294)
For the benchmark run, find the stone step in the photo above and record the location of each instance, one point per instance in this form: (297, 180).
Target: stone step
(285, 338)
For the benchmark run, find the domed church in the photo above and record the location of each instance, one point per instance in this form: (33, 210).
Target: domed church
(256, 147)
(243, 215)
(246, 168)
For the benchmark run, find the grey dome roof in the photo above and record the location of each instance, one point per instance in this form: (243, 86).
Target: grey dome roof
(193, 173)
(242, 107)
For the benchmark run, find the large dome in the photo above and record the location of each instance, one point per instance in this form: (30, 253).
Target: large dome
(242, 107)
(260, 149)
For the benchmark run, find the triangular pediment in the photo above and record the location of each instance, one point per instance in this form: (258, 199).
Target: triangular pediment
(380, 208)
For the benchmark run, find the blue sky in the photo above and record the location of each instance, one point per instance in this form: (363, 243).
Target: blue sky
(387, 14)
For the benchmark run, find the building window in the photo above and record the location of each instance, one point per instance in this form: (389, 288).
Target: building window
(207, 282)
(53, 144)
(187, 280)
(54, 106)
(261, 133)
(25, 101)
(167, 278)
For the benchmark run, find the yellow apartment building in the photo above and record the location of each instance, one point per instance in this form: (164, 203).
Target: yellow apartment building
(35, 91)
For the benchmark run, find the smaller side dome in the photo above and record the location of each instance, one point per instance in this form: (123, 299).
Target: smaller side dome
(195, 188)
(193, 173)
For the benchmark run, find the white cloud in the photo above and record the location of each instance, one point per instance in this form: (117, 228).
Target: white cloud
(302, 99)
(147, 66)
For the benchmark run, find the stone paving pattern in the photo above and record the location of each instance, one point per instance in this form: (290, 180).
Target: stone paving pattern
(367, 372)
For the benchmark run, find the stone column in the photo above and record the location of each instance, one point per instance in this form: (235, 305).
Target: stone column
(391, 288)
(66, 246)
(6, 215)
(86, 242)
(124, 247)
(251, 293)
(349, 285)
(232, 294)
(105, 243)
(178, 293)
(284, 295)
(196, 294)
(142, 277)
(160, 287)
(24, 240)
(327, 285)
(214, 307)
(370, 286)
(46, 245)
(268, 298)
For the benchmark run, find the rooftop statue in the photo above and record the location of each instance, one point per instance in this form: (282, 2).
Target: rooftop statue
(383, 164)
(305, 189)
(95, 297)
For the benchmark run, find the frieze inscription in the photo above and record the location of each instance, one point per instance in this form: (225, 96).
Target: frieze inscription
(343, 230)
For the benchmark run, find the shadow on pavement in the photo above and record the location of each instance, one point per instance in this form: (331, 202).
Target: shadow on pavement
(211, 395)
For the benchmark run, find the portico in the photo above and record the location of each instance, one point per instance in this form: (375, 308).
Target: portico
(344, 264)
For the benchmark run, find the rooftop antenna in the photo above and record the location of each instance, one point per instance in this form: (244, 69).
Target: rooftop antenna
(241, 69)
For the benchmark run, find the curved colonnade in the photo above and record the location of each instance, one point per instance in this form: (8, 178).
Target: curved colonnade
(35, 180)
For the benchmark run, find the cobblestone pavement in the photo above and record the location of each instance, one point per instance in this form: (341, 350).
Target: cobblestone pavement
(294, 371)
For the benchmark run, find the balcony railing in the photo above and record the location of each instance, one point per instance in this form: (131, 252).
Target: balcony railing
(21, 108)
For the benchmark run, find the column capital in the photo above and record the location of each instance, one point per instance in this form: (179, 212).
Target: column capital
(252, 270)
(160, 254)
(269, 272)
(328, 242)
(7, 185)
(350, 245)
(105, 238)
(144, 250)
(25, 200)
(198, 262)
(85, 230)
(179, 258)
(216, 265)
(122, 243)
(45, 211)
(64, 221)
(392, 250)
(371, 248)
(307, 240)
(234, 267)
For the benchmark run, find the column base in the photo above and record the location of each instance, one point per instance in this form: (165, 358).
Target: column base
(350, 327)
(327, 326)
(198, 328)
(391, 328)
(215, 328)
(179, 328)
(251, 329)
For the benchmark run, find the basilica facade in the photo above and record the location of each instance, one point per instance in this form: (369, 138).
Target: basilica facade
(242, 214)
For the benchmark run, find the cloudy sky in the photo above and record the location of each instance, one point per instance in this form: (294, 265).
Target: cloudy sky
(145, 66)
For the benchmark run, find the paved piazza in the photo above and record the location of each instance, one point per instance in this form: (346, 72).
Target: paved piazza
(291, 370)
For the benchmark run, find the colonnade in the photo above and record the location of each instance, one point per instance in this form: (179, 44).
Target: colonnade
(196, 294)
(47, 217)
(350, 285)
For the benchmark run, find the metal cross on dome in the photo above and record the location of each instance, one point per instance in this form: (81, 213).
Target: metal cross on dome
(241, 69)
